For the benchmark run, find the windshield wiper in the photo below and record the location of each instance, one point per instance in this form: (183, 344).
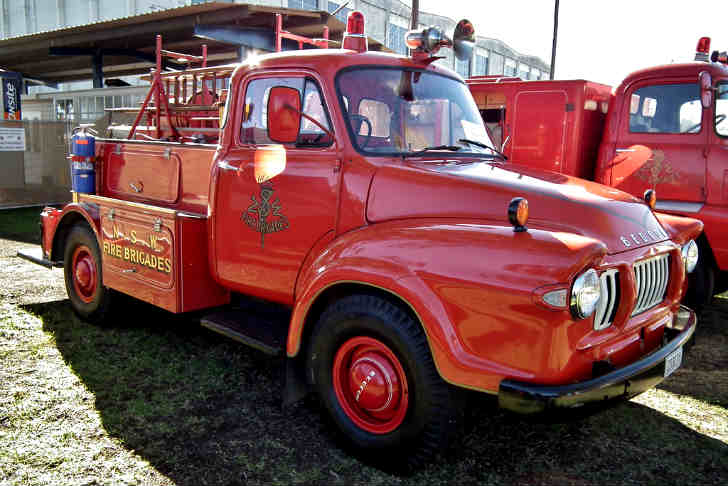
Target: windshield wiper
(453, 148)
(483, 145)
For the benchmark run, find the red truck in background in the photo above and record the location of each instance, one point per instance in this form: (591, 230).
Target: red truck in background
(663, 128)
(346, 210)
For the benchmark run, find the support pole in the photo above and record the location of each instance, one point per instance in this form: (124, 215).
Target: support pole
(98, 66)
(553, 45)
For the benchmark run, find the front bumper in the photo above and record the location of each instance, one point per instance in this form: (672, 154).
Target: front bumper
(626, 382)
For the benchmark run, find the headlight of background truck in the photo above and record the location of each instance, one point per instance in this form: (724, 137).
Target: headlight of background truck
(585, 294)
(690, 255)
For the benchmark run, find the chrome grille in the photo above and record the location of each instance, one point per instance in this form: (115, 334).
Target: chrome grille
(651, 278)
(609, 301)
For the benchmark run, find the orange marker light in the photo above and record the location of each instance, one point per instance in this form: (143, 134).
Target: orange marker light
(651, 198)
(518, 214)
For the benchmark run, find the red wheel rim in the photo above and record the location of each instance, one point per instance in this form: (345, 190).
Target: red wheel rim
(84, 274)
(371, 385)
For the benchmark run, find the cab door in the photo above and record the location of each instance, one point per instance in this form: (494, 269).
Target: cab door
(661, 142)
(274, 202)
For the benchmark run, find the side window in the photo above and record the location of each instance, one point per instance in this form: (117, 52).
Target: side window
(379, 116)
(311, 133)
(721, 110)
(666, 108)
(254, 129)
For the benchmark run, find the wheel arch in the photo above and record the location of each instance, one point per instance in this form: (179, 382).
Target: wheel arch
(73, 214)
(335, 291)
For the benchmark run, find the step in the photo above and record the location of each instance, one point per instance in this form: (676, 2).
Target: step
(266, 331)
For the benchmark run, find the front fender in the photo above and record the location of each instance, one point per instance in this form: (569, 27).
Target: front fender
(471, 286)
(679, 228)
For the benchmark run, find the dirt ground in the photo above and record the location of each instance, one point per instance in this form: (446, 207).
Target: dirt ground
(160, 400)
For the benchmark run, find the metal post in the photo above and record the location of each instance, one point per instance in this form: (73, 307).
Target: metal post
(98, 67)
(279, 28)
(553, 45)
(415, 14)
(157, 87)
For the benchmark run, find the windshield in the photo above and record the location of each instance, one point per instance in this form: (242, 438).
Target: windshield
(402, 112)
(721, 110)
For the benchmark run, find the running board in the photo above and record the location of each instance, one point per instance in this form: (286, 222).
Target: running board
(260, 332)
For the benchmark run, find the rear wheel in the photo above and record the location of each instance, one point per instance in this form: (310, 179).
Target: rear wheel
(90, 300)
(372, 369)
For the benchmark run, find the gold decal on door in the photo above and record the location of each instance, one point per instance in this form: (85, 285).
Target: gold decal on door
(657, 171)
(264, 215)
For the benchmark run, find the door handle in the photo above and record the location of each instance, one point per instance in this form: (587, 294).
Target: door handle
(620, 151)
(225, 166)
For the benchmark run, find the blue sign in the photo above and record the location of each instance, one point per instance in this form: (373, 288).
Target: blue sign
(12, 86)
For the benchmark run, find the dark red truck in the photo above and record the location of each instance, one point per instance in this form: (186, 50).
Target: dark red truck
(663, 128)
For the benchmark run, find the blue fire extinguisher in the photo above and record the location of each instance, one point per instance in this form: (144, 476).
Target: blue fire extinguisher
(83, 153)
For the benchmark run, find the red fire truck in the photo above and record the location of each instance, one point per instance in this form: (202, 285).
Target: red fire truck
(346, 211)
(663, 128)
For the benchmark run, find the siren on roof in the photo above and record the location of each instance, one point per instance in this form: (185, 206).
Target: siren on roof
(354, 38)
(426, 42)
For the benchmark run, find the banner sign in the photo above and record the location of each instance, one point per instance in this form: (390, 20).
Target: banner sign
(12, 139)
(12, 86)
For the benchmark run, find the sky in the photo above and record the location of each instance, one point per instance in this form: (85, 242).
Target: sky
(599, 41)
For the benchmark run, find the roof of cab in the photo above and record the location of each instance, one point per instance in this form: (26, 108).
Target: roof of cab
(333, 60)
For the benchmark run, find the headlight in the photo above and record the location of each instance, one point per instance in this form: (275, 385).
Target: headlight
(585, 294)
(690, 255)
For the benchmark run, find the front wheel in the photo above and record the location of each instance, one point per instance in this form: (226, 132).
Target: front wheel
(373, 372)
(89, 298)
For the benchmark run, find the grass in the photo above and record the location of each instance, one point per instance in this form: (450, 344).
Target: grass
(21, 224)
(154, 398)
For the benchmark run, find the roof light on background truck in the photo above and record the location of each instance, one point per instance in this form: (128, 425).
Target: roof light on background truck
(702, 50)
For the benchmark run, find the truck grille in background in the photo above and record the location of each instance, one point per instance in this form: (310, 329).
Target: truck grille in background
(609, 302)
(651, 278)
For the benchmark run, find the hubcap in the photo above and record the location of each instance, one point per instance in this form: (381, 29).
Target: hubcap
(370, 384)
(84, 273)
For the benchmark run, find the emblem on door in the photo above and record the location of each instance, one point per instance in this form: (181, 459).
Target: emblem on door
(657, 171)
(264, 214)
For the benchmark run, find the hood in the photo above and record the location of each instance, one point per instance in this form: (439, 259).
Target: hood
(482, 190)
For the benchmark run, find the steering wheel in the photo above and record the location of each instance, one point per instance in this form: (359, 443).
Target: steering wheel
(357, 120)
(718, 120)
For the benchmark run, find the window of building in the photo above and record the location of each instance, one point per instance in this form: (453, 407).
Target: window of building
(481, 62)
(510, 68)
(254, 129)
(303, 4)
(396, 29)
(666, 108)
(343, 13)
(462, 67)
(523, 71)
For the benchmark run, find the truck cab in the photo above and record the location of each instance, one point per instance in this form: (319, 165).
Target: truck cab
(666, 130)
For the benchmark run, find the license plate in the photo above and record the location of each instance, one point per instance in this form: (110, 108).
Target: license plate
(673, 361)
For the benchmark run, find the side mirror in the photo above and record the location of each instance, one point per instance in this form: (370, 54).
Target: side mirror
(284, 114)
(706, 89)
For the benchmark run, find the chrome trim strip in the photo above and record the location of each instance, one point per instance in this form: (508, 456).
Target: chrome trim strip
(679, 206)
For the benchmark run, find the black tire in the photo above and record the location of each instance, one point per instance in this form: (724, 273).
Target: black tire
(95, 305)
(701, 285)
(434, 409)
